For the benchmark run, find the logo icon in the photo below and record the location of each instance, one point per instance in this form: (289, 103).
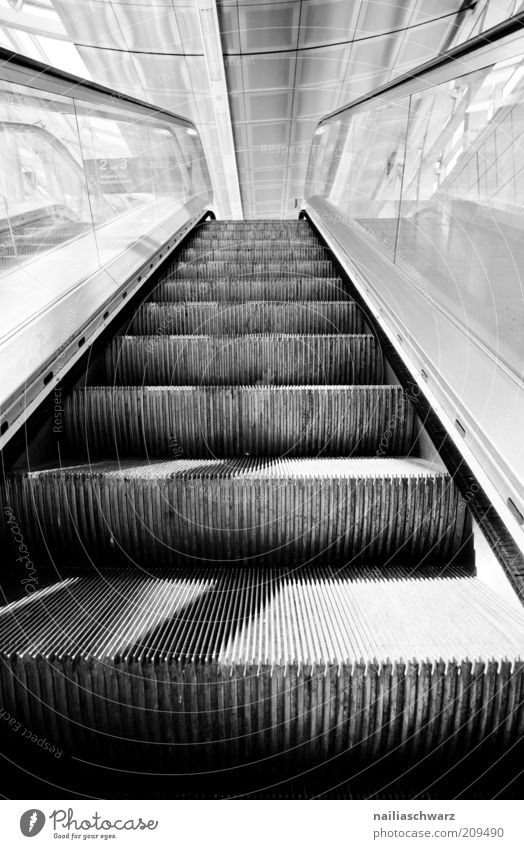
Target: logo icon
(32, 822)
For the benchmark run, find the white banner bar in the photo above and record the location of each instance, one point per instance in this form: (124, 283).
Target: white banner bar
(202, 824)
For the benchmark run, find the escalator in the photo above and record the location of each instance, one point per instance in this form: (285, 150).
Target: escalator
(252, 572)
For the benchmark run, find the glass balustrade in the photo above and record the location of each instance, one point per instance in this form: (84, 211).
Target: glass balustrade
(99, 176)
(435, 179)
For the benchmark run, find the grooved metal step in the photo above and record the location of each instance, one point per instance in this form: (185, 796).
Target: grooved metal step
(243, 510)
(222, 421)
(252, 268)
(210, 317)
(239, 241)
(260, 225)
(223, 360)
(291, 603)
(243, 253)
(219, 667)
(248, 289)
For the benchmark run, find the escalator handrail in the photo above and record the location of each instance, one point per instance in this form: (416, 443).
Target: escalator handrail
(466, 48)
(69, 85)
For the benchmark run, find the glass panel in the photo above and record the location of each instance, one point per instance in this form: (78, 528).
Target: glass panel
(139, 172)
(461, 229)
(357, 164)
(451, 216)
(81, 184)
(45, 202)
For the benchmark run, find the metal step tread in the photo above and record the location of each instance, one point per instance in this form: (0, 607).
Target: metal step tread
(269, 616)
(244, 289)
(195, 421)
(245, 317)
(278, 358)
(254, 253)
(256, 238)
(241, 510)
(219, 268)
(224, 666)
(247, 468)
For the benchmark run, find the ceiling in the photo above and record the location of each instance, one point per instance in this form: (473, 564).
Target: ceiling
(254, 77)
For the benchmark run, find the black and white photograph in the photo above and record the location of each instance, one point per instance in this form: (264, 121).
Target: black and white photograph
(262, 422)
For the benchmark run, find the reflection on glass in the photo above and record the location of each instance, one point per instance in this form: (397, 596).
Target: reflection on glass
(102, 175)
(42, 182)
(437, 182)
(462, 224)
(138, 172)
(357, 163)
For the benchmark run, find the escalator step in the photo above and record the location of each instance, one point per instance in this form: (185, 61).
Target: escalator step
(244, 510)
(210, 241)
(216, 667)
(226, 421)
(214, 317)
(257, 358)
(255, 253)
(225, 289)
(270, 225)
(250, 268)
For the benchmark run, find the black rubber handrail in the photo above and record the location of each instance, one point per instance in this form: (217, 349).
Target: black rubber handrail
(79, 87)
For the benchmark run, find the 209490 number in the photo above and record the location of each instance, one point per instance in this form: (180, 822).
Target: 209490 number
(472, 831)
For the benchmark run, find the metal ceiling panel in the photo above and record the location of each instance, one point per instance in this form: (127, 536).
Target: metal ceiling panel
(265, 175)
(239, 135)
(163, 72)
(310, 100)
(272, 106)
(272, 133)
(269, 72)
(236, 106)
(321, 66)
(196, 68)
(372, 60)
(149, 29)
(382, 16)
(268, 156)
(269, 28)
(111, 68)
(419, 45)
(91, 23)
(326, 22)
(157, 4)
(229, 29)
(302, 131)
(189, 28)
(234, 77)
(430, 9)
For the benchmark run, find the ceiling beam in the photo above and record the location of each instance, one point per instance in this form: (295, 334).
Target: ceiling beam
(212, 46)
